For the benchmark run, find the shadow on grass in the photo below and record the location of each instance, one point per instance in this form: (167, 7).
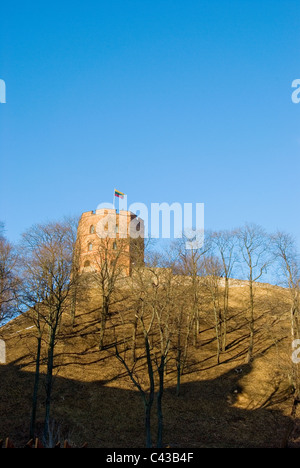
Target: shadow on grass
(202, 416)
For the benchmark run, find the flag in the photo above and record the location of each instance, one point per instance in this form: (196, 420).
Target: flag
(119, 194)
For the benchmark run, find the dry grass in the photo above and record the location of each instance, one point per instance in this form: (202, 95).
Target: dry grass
(228, 405)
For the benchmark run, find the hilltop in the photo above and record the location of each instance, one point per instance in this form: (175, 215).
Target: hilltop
(233, 404)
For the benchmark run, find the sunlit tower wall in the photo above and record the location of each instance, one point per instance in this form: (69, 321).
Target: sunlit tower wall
(109, 236)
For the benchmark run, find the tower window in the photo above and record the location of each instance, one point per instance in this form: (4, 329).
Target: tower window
(86, 263)
(115, 246)
(90, 247)
(92, 229)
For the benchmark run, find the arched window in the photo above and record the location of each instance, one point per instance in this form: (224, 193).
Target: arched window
(86, 263)
(115, 246)
(92, 229)
(90, 247)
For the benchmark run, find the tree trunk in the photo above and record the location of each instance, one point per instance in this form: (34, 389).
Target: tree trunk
(104, 315)
(49, 381)
(225, 314)
(294, 336)
(55, 319)
(251, 325)
(178, 366)
(73, 305)
(151, 394)
(251, 318)
(159, 402)
(135, 323)
(217, 328)
(35, 388)
(148, 407)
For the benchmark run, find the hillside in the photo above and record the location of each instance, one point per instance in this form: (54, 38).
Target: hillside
(232, 404)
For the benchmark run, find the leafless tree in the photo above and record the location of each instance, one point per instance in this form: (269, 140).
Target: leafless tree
(287, 258)
(147, 394)
(110, 259)
(152, 303)
(224, 244)
(47, 256)
(181, 340)
(189, 264)
(78, 285)
(211, 269)
(9, 280)
(254, 246)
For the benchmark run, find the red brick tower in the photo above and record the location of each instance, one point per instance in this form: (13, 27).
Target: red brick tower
(109, 237)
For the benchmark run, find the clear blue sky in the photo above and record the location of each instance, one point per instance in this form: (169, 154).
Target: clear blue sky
(168, 101)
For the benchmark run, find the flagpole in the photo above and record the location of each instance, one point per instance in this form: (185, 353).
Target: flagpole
(114, 199)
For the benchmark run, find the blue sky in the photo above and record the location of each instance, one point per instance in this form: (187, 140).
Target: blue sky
(167, 101)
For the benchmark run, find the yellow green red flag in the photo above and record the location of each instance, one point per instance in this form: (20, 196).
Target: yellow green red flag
(119, 194)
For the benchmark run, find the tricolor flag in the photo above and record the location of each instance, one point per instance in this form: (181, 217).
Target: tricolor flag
(119, 194)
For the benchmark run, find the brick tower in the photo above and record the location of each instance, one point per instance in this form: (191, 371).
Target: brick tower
(108, 238)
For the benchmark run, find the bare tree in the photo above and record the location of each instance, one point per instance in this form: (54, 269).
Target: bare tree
(147, 394)
(189, 264)
(211, 271)
(255, 256)
(152, 304)
(9, 280)
(47, 255)
(78, 287)
(287, 258)
(224, 244)
(182, 330)
(109, 259)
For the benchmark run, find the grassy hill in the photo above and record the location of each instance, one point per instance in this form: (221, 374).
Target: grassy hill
(232, 404)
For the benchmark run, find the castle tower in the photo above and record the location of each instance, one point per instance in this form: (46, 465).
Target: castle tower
(107, 238)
